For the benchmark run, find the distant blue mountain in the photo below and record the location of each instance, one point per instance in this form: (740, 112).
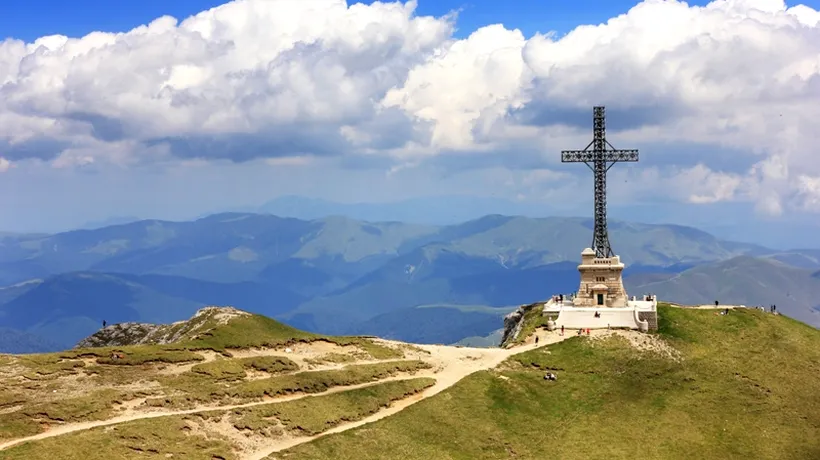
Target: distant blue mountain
(67, 307)
(438, 210)
(341, 275)
(108, 222)
(728, 221)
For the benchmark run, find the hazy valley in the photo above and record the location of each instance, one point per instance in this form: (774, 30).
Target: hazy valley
(335, 275)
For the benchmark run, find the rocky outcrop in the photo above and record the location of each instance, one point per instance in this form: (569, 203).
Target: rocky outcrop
(512, 326)
(122, 334)
(514, 322)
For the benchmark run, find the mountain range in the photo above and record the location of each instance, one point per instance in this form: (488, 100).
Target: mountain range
(337, 275)
(727, 221)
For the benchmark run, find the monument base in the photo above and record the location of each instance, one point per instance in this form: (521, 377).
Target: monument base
(601, 301)
(636, 314)
(601, 282)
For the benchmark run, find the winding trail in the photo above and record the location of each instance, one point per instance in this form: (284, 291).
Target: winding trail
(450, 365)
(82, 426)
(457, 364)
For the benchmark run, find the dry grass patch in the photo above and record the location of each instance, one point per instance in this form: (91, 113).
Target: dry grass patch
(48, 366)
(218, 434)
(316, 414)
(650, 343)
(319, 381)
(136, 355)
(331, 358)
(165, 437)
(34, 417)
(191, 389)
(235, 369)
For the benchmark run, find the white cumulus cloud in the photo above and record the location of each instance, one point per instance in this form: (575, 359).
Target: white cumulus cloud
(284, 79)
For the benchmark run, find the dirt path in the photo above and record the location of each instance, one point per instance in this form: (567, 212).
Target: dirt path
(450, 364)
(82, 426)
(456, 363)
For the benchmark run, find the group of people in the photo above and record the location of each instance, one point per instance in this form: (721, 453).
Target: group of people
(772, 309)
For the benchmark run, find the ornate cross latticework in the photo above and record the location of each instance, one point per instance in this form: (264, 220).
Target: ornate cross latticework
(602, 156)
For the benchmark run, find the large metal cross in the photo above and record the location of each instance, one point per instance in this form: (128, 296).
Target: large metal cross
(602, 158)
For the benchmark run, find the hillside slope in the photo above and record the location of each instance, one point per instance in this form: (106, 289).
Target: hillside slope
(740, 280)
(238, 386)
(224, 384)
(752, 396)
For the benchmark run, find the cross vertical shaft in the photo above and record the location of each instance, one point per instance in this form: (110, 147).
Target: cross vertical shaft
(600, 235)
(599, 159)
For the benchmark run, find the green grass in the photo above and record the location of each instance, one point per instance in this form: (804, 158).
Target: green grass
(533, 319)
(319, 381)
(134, 354)
(314, 415)
(375, 350)
(745, 388)
(255, 331)
(27, 420)
(251, 331)
(84, 384)
(235, 369)
(206, 332)
(337, 358)
(188, 436)
(190, 389)
(166, 437)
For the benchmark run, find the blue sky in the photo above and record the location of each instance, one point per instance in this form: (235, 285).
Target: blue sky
(30, 19)
(274, 98)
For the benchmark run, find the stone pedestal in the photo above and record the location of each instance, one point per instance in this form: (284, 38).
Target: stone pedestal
(601, 282)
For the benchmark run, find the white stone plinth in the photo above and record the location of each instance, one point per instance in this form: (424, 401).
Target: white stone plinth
(583, 317)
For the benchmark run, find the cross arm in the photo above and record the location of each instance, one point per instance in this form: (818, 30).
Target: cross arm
(584, 156)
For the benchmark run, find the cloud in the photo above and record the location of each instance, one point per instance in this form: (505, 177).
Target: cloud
(809, 192)
(248, 79)
(729, 90)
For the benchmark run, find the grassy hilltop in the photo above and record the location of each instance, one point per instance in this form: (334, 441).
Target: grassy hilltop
(236, 386)
(222, 358)
(740, 386)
